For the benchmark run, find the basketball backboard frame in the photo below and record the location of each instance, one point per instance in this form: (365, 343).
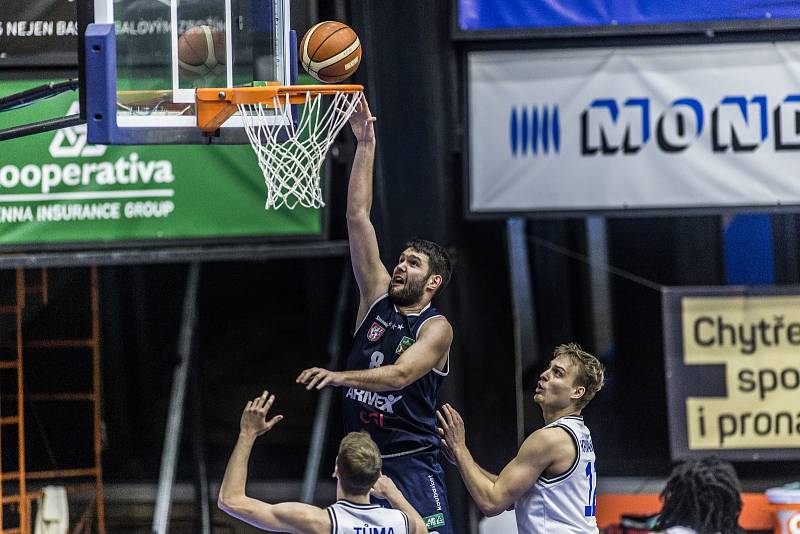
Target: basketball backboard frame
(106, 124)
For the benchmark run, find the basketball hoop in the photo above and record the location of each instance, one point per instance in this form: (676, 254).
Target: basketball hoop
(290, 153)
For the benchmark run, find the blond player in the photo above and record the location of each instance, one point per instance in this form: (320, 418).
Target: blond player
(552, 482)
(357, 472)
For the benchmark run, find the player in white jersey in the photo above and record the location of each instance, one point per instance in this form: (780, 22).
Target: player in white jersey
(357, 473)
(552, 482)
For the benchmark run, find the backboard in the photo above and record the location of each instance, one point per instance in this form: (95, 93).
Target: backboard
(140, 88)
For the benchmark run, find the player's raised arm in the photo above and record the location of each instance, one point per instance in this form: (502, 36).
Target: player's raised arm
(284, 517)
(495, 496)
(371, 275)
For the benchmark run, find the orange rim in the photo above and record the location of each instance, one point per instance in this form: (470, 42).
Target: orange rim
(215, 105)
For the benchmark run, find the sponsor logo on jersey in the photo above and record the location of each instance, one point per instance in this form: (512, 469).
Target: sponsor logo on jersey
(368, 418)
(403, 345)
(435, 494)
(389, 324)
(433, 521)
(384, 403)
(375, 332)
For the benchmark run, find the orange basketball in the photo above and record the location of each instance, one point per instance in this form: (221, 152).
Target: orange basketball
(330, 51)
(201, 51)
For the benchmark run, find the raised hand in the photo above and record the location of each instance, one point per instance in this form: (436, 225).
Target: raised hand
(361, 122)
(254, 417)
(451, 429)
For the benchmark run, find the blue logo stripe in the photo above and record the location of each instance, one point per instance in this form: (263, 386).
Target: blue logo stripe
(524, 130)
(534, 127)
(545, 130)
(513, 131)
(556, 130)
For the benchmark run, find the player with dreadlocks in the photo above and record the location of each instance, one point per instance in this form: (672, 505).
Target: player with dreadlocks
(701, 496)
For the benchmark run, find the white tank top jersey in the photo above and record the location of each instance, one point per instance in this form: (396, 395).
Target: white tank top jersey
(564, 503)
(351, 518)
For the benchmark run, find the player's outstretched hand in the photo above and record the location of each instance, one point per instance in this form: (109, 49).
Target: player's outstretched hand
(451, 428)
(317, 377)
(361, 122)
(383, 486)
(254, 418)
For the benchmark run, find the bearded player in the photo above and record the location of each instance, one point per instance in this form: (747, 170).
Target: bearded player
(401, 346)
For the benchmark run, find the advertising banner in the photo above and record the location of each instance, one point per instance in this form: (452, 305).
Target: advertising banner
(704, 126)
(40, 33)
(504, 14)
(732, 360)
(55, 188)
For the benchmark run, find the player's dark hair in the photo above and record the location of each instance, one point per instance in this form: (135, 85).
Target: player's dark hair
(703, 495)
(438, 258)
(359, 463)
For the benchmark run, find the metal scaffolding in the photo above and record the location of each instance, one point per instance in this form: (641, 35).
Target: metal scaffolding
(16, 495)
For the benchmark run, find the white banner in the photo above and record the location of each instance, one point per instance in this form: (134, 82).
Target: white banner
(634, 128)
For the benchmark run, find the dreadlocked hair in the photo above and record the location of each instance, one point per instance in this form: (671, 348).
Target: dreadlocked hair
(703, 495)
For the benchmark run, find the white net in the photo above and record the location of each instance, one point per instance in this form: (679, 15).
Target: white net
(291, 155)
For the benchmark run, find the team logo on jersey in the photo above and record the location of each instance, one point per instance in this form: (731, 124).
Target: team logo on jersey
(403, 345)
(433, 521)
(375, 332)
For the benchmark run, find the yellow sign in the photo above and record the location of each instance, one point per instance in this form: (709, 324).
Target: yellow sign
(757, 339)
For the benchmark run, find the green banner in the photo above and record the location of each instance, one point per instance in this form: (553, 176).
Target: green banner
(56, 188)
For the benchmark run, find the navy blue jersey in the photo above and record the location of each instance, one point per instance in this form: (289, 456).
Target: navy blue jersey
(401, 421)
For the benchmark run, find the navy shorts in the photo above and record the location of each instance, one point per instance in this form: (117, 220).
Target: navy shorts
(421, 479)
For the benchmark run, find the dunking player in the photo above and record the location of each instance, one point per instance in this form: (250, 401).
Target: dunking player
(401, 347)
(357, 473)
(552, 479)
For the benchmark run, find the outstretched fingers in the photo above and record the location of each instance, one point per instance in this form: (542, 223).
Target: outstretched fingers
(306, 375)
(315, 378)
(361, 121)
(254, 417)
(260, 401)
(326, 379)
(274, 421)
(448, 415)
(454, 416)
(443, 424)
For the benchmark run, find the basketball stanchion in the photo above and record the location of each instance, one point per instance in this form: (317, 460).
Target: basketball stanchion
(290, 153)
